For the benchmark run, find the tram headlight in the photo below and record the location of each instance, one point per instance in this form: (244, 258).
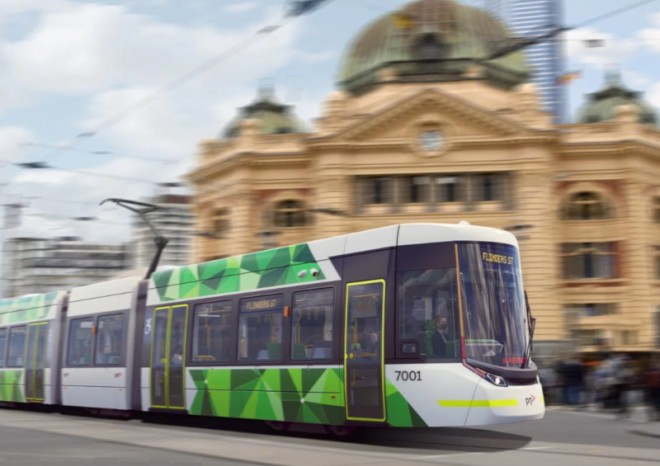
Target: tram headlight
(496, 380)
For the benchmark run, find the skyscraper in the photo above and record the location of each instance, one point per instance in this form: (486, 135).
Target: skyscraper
(531, 18)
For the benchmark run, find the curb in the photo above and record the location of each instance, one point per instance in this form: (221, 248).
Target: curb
(644, 433)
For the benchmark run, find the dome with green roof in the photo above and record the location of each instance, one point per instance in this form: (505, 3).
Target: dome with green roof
(430, 41)
(601, 105)
(272, 116)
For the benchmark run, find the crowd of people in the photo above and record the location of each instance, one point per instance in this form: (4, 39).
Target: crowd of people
(612, 384)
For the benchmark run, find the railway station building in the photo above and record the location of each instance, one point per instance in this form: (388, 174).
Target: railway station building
(424, 127)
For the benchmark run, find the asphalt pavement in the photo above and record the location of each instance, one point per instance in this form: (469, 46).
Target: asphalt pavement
(638, 416)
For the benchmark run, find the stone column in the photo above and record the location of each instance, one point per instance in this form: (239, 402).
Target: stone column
(539, 250)
(635, 263)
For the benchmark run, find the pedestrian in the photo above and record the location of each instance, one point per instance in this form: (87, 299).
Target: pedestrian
(571, 371)
(652, 390)
(548, 377)
(624, 379)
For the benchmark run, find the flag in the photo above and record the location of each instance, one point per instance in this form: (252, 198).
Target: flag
(566, 78)
(402, 20)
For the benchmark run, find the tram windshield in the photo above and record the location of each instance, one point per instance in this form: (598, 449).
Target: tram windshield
(494, 317)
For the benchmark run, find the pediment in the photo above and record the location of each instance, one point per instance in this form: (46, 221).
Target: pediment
(459, 118)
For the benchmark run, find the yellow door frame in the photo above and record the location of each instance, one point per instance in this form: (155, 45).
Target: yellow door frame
(168, 341)
(382, 351)
(36, 326)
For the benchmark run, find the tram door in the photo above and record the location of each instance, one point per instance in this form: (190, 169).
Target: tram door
(363, 351)
(35, 361)
(168, 355)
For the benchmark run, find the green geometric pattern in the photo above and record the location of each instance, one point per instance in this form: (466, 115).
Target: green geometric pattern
(26, 308)
(11, 388)
(240, 273)
(293, 395)
(399, 411)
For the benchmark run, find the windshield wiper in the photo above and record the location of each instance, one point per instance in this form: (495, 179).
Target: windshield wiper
(531, 325)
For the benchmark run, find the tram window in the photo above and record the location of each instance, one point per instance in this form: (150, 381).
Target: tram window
(80, 342)
(260, 329)
(427, 314)
(311, 325)
(3, 339)
(16, 347)
(109, 340)
(212, 332)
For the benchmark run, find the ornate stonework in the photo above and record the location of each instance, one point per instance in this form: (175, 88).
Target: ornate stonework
(456, 150)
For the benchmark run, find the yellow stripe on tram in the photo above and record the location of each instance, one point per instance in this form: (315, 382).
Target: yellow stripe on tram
(478, 403)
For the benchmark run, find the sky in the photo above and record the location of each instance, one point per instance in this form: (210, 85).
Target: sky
(117, 95)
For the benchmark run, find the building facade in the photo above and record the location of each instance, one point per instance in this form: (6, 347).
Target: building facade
(41, 265)
(423, 128)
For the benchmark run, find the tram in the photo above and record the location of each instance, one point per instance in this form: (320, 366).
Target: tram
(411, 325)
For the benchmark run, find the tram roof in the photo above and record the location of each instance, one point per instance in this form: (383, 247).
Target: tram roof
(305, 262)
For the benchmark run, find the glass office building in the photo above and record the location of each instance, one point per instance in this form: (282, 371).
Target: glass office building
(530, 18)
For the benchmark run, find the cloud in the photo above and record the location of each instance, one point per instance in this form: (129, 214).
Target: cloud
(242, 7)
(317, 57)
(650, 37)
(50, 197)
(9, 9)
(614, 51)
(94, 47)
(156, 88)
(654, 95)
(12, 143)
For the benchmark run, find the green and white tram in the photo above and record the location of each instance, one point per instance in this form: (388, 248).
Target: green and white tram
(29, 348)
(413, 325)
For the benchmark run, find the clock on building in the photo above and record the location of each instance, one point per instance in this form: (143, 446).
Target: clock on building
(430, 140)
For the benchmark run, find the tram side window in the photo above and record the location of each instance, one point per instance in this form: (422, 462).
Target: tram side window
(3, 339)
(109, 340)
(80, 342)
(212, 332)
(260, 329)
(16, 347)
(311, 325)
(428, 313)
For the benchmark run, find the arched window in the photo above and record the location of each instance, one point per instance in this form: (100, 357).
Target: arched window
(586, 205)
(290, 213)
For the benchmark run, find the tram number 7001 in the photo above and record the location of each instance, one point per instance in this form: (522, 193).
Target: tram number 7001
(408, 376)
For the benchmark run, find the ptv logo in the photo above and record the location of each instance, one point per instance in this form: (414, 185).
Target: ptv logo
(529, 400)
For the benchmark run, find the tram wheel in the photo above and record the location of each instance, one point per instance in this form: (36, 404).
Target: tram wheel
(278, 426)
(340, 431)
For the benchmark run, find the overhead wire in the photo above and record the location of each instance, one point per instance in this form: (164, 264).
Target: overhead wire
(183, 79)
(226, 54)
(613, 13)
(95, 152)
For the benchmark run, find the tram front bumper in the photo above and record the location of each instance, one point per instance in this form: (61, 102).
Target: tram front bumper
(500, 405)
